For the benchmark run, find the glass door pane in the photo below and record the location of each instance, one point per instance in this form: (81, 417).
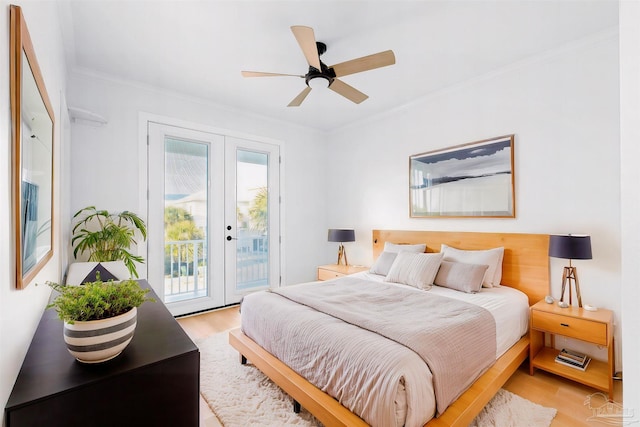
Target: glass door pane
(253, 235)
(252, 224)
(185, 219)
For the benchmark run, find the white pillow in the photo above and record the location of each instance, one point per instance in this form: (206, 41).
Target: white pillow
(385, 259)
(413, 269)
(491, 257)
(398, 247)
(461, 276)
(383, 263)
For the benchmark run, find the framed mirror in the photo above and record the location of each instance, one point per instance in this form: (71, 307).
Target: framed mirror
(32, 123)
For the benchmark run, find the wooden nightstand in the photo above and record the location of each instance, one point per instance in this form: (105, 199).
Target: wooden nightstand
(595, 327)
(331, 271)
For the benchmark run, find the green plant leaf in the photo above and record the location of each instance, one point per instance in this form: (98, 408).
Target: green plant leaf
(106, 236)
(97, 300)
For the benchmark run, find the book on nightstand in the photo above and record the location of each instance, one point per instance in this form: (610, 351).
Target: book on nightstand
(573, 359)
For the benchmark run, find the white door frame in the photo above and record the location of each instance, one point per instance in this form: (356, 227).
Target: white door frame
(215, 247)
(143, 176)
(272, 151)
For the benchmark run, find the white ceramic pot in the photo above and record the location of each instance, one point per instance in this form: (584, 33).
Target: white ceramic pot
(97, 341)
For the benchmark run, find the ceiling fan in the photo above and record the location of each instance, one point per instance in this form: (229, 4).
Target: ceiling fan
(320, 75)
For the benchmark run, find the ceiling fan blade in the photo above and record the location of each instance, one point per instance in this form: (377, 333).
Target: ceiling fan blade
(261, 74)
(301, 96)
(370, 62)
(307, 41)
(349, 92)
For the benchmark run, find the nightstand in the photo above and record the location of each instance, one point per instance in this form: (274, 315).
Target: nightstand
(595, 327)
(331, 271)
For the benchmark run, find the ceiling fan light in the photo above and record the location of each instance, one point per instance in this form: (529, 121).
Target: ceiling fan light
(318, 82)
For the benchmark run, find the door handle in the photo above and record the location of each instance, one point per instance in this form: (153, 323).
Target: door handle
(229, 238)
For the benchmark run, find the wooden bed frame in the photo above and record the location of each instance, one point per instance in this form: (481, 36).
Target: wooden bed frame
(525, 267)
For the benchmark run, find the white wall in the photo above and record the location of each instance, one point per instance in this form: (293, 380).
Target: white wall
(563, 108)
(105, 160)
(572, 174)
(630, 177)
(20, 310)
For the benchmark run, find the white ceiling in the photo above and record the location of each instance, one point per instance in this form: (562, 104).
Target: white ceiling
(198, 48)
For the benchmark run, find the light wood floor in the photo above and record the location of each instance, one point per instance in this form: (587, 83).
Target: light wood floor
(201, 326)
(545, 389)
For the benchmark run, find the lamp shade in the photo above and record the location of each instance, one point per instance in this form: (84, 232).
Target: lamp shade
(341, 235)
(570, 246)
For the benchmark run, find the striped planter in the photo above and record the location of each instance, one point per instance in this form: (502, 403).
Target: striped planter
(97, 341)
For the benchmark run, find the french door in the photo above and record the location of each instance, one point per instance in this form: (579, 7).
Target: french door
(213, 217)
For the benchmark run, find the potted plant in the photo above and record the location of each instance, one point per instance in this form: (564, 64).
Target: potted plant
(99, 317)
(108, 236)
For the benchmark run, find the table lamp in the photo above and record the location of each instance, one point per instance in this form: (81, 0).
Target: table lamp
(570, 246)
(342, 235)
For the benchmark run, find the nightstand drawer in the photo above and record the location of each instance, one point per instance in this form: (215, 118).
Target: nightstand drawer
(328, 274)
(572, 327)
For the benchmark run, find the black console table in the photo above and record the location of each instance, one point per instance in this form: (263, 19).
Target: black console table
(155, 381)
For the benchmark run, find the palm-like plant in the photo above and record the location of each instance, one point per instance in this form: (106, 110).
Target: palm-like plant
(108, 236)
(259, 210)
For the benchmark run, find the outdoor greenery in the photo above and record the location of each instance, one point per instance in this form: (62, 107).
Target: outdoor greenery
(179, 225)
(259, 210)
(108, 236)
(97, 300)
(174, 214)
(241, 220)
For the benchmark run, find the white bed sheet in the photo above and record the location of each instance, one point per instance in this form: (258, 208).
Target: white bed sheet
(508, 306)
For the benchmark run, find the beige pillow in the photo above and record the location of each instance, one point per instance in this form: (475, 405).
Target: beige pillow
(385, 259)
(413, 269)
(491, 257)
(461, 276)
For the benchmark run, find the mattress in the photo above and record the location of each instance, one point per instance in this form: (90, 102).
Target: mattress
(384, 382)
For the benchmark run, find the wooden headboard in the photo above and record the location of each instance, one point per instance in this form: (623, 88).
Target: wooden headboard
(526, 256)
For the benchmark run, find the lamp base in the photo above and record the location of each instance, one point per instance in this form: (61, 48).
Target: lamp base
(342, 255)
(570, 274)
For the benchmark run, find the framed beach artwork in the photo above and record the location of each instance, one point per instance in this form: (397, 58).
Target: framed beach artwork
(468, 180)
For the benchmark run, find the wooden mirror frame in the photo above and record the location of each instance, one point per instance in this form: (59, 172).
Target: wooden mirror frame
(20, 44)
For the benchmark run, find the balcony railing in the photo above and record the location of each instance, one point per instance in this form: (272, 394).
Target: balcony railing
(186, 264)
(185, 269)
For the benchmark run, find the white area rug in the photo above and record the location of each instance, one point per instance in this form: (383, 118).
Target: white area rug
(241, 396)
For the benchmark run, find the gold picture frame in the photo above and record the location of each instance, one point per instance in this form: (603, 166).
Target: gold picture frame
(475, 180)
(32, 134)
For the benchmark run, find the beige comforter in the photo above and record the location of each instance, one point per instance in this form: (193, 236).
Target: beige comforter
(382, 351)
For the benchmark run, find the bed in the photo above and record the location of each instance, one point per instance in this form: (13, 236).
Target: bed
(524, 267)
